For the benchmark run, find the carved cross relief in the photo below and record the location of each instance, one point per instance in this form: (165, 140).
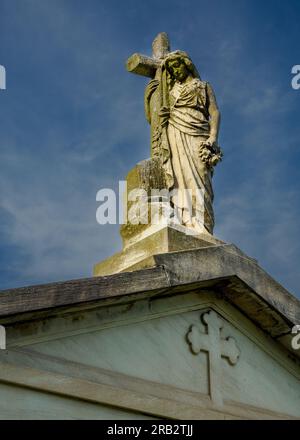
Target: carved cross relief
(217, 348)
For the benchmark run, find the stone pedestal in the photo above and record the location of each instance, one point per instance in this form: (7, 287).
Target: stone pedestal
(154, 240)
(160, 233)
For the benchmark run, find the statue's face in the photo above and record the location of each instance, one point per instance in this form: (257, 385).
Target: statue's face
(178, 70)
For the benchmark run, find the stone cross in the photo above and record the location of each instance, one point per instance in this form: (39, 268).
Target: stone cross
(152, 68)
(216, 347)
(147, 66)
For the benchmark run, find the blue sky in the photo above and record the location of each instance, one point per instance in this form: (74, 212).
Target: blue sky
(72, 122)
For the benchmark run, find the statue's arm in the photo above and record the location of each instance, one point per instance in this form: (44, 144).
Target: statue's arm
(214, 114)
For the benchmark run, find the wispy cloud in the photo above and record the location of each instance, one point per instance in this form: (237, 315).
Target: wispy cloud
(73, 123)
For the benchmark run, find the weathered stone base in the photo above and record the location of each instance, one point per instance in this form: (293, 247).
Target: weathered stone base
(155, 240)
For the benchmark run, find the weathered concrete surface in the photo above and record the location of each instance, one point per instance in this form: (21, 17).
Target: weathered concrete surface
(228, 260)
(153, 240)
(124, 342)
(134, 359)
(237, 278)
(146, 175)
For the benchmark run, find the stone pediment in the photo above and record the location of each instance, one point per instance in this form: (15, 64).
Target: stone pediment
(235, 276)
(203, 333)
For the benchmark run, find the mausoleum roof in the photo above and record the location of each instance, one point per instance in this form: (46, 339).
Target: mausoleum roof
(223, 269)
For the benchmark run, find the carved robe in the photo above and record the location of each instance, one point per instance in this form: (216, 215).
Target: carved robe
(188, 127)
(179, 119)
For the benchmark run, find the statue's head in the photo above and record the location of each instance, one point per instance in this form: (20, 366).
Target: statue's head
(179, 66)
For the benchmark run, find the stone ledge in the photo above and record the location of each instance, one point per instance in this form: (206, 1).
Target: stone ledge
(222, 268)
(155, 240)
